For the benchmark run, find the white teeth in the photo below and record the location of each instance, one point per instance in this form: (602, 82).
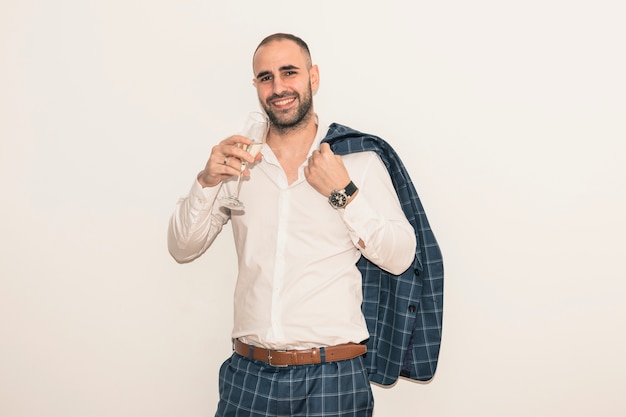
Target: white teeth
(283, 102)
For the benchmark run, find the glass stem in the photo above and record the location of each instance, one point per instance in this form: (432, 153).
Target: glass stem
(243, 167)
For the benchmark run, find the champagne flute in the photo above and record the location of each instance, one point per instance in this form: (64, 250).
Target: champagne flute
(255, 129)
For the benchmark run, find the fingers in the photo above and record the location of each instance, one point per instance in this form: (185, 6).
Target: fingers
(228, 158)
(324, 156)
(234, 147)
(226, 164)
(325, 159)
(242, 164)
(325, 171)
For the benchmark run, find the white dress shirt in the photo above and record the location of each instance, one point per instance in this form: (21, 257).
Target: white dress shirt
(298, 286)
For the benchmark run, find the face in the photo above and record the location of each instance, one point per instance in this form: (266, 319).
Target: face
(285, 83)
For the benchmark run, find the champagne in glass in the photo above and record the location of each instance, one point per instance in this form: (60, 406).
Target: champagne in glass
(255, 129)
(254, 148)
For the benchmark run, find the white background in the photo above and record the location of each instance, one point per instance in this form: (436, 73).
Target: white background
(510, 116)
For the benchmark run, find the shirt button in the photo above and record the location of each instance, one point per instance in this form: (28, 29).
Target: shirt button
(412, 309)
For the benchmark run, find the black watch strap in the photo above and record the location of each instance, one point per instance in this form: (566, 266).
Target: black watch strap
(350, 189)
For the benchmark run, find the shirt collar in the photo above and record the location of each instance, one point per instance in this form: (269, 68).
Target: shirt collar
(322, 130)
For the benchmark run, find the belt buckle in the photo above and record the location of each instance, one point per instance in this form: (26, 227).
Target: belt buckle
(269, 359)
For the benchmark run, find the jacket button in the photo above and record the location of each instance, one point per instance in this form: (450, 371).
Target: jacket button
(412, 309)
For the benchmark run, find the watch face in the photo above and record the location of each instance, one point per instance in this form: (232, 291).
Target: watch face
(337, 199)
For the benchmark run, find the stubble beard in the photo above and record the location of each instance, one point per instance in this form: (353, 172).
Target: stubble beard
(287, 123)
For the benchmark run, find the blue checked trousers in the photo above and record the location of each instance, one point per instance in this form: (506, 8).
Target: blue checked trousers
(250, 388)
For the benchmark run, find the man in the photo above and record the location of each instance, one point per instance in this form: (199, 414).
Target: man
(310, 215)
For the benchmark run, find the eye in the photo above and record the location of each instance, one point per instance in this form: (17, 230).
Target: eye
(265, 78)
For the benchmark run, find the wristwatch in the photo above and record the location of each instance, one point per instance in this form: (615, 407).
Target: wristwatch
(339, 198)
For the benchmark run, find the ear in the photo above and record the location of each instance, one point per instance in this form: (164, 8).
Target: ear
(314, 74)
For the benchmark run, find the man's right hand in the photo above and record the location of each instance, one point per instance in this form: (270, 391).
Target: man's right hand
(226, 160)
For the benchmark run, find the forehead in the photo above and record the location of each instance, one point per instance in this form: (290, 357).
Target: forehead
(276, 54)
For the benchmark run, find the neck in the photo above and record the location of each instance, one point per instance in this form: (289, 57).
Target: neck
(294, 141)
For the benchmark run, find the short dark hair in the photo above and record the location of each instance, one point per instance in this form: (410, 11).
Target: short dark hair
(287, 36)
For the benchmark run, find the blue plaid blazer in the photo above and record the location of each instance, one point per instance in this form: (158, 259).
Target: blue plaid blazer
(403, 312)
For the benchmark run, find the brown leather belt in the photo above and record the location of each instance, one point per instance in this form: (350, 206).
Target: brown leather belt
(300, 357)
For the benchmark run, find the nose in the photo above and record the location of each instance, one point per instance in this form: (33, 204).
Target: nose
(277, 86)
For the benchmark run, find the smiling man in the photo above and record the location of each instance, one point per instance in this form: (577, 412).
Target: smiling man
(311, 215)
(279, 85)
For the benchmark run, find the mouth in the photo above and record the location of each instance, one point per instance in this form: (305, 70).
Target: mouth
(282, 103)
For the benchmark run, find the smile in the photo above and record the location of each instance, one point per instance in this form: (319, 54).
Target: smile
(284, 102)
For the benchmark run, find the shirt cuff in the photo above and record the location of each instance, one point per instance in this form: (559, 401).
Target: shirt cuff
(202, 198)
(358, 217)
